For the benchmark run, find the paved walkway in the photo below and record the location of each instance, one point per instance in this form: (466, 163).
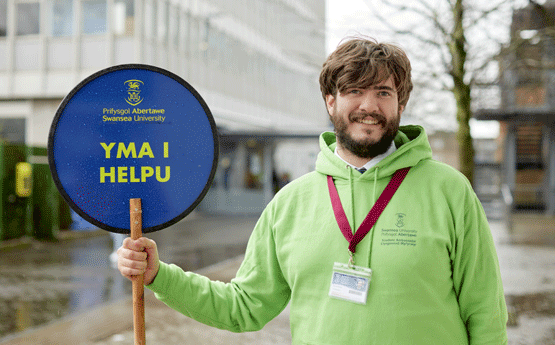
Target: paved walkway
(528, 276)
(112, 324)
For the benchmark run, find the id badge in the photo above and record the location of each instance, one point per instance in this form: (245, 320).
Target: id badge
(350, 283)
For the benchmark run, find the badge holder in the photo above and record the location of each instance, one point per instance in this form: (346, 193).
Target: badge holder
(350, 282)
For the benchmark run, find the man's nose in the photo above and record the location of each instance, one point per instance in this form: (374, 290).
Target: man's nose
(369, 102)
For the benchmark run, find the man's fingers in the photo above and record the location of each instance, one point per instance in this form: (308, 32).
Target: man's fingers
(130, 261)
(131, 268)
(130, 273)
(131, 254)
(133, 264)
(137, 257)
(136, 245)
(139, 245)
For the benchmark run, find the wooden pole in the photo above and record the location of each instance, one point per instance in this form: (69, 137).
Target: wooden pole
(136, 219)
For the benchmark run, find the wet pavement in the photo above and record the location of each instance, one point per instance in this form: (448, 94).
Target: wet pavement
(51, 280)
(46, 281)
(528, 273)
(74, 283)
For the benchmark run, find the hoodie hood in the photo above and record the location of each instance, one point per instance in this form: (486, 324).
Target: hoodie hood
(412, 147)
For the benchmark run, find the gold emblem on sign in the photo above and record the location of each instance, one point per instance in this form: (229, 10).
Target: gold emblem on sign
(133, 90)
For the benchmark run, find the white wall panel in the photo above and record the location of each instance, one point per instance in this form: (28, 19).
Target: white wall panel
(27, 54)
(60, 83)
(4, 84)
(60, 54)
(27, 84)
(94, 52)
(124, 51)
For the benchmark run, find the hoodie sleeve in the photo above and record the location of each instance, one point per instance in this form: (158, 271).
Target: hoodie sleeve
(254, 297)
(477, 278)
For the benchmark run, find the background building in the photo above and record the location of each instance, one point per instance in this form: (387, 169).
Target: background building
(527, 117)
(255, 62)
(527, 112)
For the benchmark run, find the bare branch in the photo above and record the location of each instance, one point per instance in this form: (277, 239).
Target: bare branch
(432, 16)
(486, 13)
(425, 11)
(402, 7)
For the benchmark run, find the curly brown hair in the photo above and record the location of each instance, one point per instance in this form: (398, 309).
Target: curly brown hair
(361, 62)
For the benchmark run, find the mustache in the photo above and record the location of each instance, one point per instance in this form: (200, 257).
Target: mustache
(376, 116)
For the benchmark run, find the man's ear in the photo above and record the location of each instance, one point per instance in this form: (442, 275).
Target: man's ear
(401, 109)
(330, 102)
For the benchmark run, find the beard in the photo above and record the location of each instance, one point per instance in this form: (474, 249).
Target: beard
(366, 148)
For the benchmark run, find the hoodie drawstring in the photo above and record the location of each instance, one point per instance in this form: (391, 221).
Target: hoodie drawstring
(375, 182)
(352, 188)
(373, 230)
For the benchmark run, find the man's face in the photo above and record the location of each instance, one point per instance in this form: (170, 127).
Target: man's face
(366, 120)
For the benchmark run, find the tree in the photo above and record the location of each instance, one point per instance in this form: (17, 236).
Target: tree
(449, 60)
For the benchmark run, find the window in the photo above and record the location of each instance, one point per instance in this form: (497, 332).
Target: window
(28, 19)
(13, 130)
(254, 173)
(149, 20)
(194, 36)
(94, 16)
(162, 21)
(174, 24)
(124, 17)
(184, 30)
(62, 17)
(3, 18)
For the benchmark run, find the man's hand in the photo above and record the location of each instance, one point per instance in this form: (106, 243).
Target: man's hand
(136, 257)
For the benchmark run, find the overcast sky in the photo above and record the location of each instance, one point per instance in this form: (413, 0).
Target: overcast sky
(346, 17)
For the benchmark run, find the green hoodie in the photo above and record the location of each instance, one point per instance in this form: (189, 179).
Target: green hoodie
(435, 271)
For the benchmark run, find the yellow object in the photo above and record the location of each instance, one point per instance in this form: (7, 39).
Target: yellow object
(23, 179)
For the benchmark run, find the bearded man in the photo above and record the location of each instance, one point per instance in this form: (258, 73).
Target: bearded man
(380, 245)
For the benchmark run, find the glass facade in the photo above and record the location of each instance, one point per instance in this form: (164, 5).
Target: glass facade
(124, 17)
(249, 50)
(162, 20)
(94, 14)
(61, 17)
(150, 19)
(28, 19)
(3, 18)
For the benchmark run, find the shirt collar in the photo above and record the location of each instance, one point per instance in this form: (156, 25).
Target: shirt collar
(374, 161)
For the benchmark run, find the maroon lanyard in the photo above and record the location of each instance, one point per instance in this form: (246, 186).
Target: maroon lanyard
(372, 216)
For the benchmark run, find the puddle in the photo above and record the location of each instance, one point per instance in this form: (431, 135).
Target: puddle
(22, 313)
(53, 280)
(537, 304)
(531, 319)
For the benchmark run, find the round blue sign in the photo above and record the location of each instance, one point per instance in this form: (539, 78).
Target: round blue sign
(133, 131)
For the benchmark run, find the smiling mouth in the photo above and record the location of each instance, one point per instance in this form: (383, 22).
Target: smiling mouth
(368, 121)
